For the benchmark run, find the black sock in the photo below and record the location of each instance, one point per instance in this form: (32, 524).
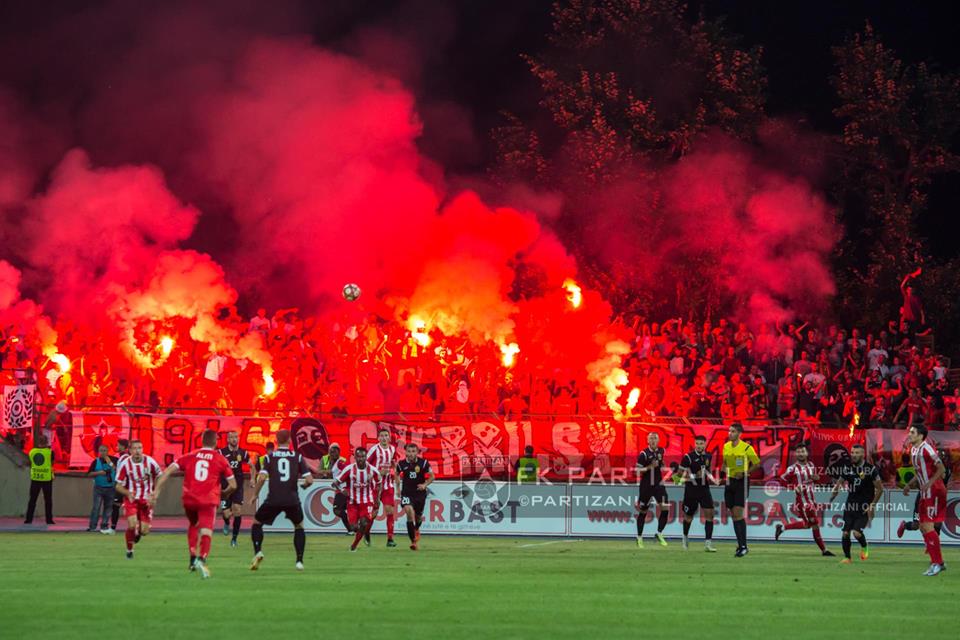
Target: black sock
(740, 527)
(913, 525)
(411, 530)
(846, 547)
(256, 534)
(662, 521)
(419, 522)
(862, 539)
(708, 529)
(236, 526)
(226, 518)
(299, 542)
(641, 520)
(345, 520)
(193, 559)
(686, 527)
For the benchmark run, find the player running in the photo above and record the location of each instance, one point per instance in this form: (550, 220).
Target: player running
(802, 475)
(650, 471)
(286, 469)
(864, 489)
(697, 479)
(413, 475)
(136, 475)
(202, 471)
(739, 459)
(232, 505)
(361, 482)
(383, 456)
(933, 493)
(914, 524)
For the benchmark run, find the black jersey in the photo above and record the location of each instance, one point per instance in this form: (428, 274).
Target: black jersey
(699, 466)
(413, 474)
(284, 468)
(860, 479)
(236, 458)
(647, 457)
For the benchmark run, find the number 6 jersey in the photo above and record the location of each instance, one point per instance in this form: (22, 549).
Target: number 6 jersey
(284, 468)
(202, 471)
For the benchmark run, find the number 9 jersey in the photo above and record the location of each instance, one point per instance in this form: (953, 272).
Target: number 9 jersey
(284, 468)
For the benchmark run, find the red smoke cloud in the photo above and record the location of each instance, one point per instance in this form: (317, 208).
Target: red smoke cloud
(307, 162)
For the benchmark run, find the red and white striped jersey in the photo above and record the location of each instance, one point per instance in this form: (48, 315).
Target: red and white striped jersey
(360, 485)
(802, 477)
(925, 460)
(383, 458)
(138, 477)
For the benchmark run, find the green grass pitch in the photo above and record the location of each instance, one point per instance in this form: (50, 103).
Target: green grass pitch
(81, 586)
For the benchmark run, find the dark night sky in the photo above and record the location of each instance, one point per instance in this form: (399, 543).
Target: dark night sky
(468, 55)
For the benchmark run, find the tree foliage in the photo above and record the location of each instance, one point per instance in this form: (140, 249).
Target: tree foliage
(627, 86)
(900, 124)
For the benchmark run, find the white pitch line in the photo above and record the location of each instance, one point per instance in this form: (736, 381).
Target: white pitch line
(541, 544)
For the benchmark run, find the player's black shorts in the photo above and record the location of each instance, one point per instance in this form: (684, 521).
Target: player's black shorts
(648, 493)
(416, 500)
(267, 512)
(735, 493)
(916, 507)
(339, 502)
(855, 516)
(696, 497)
(234, 498)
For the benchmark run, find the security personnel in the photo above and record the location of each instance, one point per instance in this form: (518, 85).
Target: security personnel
(527, 467)
(739, 459)
(41, 479)
(330, 466)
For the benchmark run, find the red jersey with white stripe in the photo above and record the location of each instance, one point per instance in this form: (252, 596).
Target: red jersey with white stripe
(360, 485)
(383, 458)
(802, 477)
(138, 477)
(925, 461)
(202, 471)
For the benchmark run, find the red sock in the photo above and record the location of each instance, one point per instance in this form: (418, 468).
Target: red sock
(932, 540)
(358, 536)
(192, 533)
(390, 519)
(130, 535)
(819, 540)
(796, 524)
(204, 547)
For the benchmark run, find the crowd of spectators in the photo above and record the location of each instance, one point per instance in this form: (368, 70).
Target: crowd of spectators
(721, 369)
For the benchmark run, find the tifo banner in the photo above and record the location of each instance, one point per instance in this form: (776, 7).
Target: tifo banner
(566, 449)
(830, 448)
(17, 407)
(595, 510)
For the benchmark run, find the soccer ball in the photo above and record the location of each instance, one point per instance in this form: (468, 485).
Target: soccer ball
(351, 292)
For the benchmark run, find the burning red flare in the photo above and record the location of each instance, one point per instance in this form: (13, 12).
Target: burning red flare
(574, 293)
